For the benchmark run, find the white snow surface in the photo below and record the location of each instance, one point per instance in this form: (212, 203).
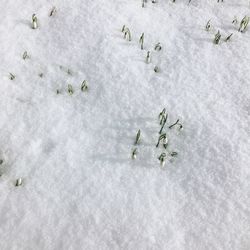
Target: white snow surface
(81, 189)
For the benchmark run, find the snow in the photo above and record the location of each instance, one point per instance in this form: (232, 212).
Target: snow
(80, 188)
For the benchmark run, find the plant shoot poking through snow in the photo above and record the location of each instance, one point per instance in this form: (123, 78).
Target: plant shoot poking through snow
(158, 47)
(34, 21)
(134, 153)
(84, 86)
(70, 89)
(53, 11)
(162, 138)
(163, 119)
(127, 34)
(162, 158)
(19, 182)
(138, 136)
(217, 37)
(173, 154)
(162, 114)
(176, 124)
(156, 69)
(12, 77)
(229, 37)
(244, 23)
(25, 55)
(148, 57)
(208, 26)
(141, 40)
(163, 122)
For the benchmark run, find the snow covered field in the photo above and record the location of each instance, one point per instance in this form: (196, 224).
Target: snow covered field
(81, 189)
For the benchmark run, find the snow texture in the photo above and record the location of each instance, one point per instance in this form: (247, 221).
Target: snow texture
(80, 188)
